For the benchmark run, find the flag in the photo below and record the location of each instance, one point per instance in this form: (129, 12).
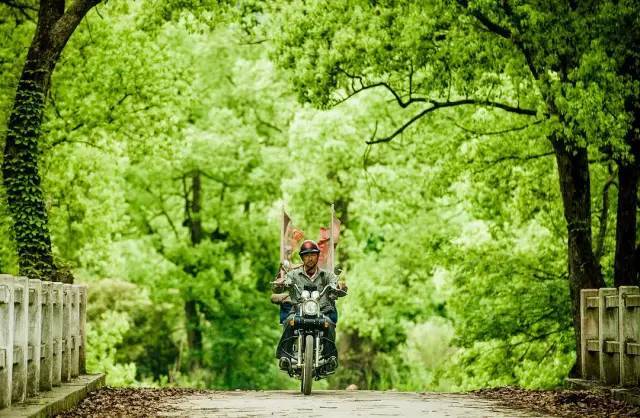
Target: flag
(290, 238)
(329, 236)
(286, 220)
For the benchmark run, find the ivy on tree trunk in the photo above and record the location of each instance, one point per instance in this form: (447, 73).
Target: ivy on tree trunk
(25, 198)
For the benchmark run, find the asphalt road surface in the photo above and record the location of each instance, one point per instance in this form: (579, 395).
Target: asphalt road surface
(336, 404)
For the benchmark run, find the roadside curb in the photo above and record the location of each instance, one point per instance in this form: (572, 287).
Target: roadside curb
(59, 399)
(629, 395)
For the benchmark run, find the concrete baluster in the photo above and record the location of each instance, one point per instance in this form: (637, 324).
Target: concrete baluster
(590, 349)
(57, 334)
(82, 323)
(608, 339)
(75, 331)
(629, 325)
(46, 336)
(20, 339)
(66, 332)
(6, 338)
(34, 338)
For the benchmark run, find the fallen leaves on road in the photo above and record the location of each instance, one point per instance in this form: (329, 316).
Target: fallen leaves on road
(141, 402)
(563, 403)
(126, 402)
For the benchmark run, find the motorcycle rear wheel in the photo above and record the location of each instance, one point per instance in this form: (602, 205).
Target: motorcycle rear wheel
(307, 369)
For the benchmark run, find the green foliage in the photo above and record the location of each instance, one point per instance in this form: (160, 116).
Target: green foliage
(103, 335)
(453, 241)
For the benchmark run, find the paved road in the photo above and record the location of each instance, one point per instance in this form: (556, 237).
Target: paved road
(337, 404)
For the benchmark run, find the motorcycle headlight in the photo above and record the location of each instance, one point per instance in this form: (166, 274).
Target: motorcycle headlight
(305, 294)
(315, 294)
(310, 307)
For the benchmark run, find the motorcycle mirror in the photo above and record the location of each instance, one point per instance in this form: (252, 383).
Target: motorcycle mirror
(337, 270)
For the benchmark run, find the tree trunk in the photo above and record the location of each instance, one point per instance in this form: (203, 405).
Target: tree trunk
(20, 172)
(21, 179)
(194, 331)
(625, 266)
(195, 222)
(626, 269)
(584, 270)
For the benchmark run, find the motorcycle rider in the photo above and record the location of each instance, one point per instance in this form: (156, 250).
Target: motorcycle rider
(309, 274)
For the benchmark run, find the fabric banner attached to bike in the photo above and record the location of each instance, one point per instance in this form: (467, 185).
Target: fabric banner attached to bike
(327, 255)
(290, 240)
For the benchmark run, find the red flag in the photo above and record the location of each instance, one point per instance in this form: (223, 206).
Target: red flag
(327, 256)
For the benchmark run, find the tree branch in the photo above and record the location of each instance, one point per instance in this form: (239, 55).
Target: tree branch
(49, 13)
(163, 211)
(64, 27)
(498, 132)
(23, 8)
(604, 214)
(110, 118)
(185, 194)
(19, 5)
(265, 123)
(217, 179)
(503, 32)
(486, 22)
(76, 141)
(519, 157)
(440, 105)
(255, 42)
(358, 79)
(519, 43)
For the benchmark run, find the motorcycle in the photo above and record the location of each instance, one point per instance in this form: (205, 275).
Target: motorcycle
(310, 327)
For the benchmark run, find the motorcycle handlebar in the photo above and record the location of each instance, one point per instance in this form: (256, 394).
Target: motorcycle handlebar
(328, 287)
(340, 292)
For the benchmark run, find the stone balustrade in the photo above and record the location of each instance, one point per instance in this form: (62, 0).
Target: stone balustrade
(42, 336)
(610, 335)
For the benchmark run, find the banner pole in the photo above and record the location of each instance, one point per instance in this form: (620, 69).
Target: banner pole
(282, 232)
(331, 247)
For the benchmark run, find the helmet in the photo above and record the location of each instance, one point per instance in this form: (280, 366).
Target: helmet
(308, 247)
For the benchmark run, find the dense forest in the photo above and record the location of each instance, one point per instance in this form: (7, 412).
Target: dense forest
(483, 158)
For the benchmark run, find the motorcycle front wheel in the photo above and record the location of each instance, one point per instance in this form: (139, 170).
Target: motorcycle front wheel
(307, 368)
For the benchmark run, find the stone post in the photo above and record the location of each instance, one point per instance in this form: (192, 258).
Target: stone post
(589, 346)
(629, 333)
(35, 329)
(75, 331)
(608, 340)
(46, 336)
(20, 339)
(83, 330)
(6, 338)
(57, 334)
(66, 332)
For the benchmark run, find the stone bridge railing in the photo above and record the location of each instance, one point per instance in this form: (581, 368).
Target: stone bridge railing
(42, 336)
(610, 335)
